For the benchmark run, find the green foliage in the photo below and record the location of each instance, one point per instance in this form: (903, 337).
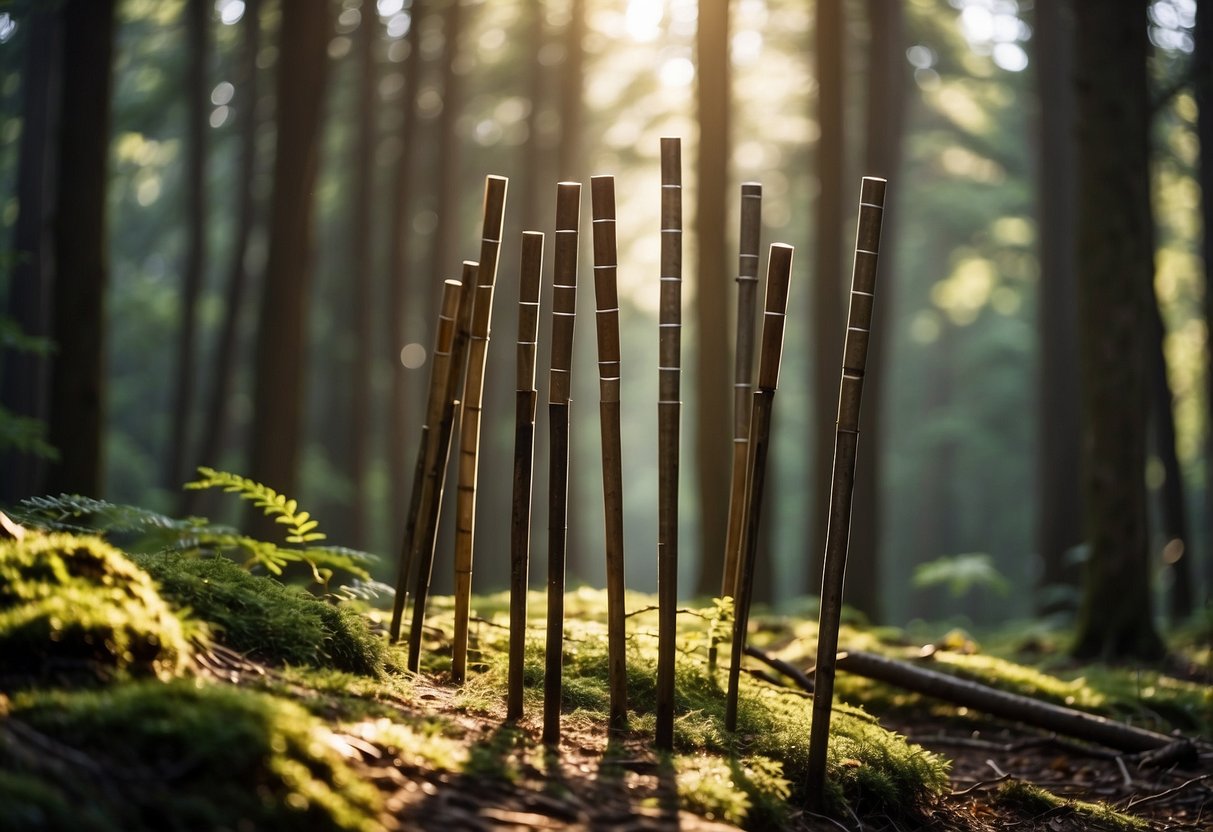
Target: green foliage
(191, 756)
(260, 616)
(1034, 801)
(301, 528)
(749, 791)
(961, 574)
(71, 604)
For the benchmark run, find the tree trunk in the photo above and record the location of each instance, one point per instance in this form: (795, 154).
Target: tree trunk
(223, 373)
(827, 278)
(1203, 59)
(1115, 271)
(1059, 443)
(197, 107)
(77, 391)
(23, 374)
(886, 96)
(713, 391)
(278, 396)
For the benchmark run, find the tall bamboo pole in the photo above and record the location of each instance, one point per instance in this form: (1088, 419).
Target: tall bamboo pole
(530, 271)
(846, 442)
(669, 412)
(743, 375)
(779, 272)
(564, 312)
(602, 200)
(440, 369)
(469, 425)
(425, 533)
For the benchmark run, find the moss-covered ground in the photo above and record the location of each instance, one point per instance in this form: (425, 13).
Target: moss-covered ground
(170, 692)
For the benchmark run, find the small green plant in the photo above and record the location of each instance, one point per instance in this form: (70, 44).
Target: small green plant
(961, 574)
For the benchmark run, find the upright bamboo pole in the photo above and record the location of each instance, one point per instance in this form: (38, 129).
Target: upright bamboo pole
(440, 369)
(425, 535)
(602, 200)
(469, 425)
(846, 443)
(669, 412)
(779, 272)
(564, 312)
(743, 375)
(530, 271)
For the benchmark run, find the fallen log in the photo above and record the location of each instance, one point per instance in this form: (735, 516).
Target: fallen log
(1151, 745)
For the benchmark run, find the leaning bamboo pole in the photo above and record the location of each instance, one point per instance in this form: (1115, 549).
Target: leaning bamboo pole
(743, 374)
(669, 412)
(779, 271)
(440, 369)
(602, 201)
(425, 535)
(469, 425)
(564, 312)
(846, 443)
(530, 271)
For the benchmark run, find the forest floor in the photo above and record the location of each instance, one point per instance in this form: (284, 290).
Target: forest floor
(164, 691)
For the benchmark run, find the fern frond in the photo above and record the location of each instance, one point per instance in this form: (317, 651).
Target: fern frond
(300, 526)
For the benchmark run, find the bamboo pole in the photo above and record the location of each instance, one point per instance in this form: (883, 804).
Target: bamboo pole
(440, 369)
(743, 374)
(846, 442)
(469, 424)
(564, 312)
(530, 271)
(426, 533)
(602, 200)
(669, 412)
(779, 272)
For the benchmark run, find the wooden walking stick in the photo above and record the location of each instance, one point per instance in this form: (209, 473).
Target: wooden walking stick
(425, 536)
(743, 374)
(564, 312)
(524, 456)
(440, 368)
(779, 272)
(469, 425)
(846, 442)
(669, 411)
(602, 200)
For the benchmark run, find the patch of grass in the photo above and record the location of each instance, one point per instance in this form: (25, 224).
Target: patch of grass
(1034, 801)
(191, 756)
(750, 791)
(273, 622)
(72, 604)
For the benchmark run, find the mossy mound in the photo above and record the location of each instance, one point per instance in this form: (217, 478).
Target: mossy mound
(272, 622)
(74, 604)
(175, 756)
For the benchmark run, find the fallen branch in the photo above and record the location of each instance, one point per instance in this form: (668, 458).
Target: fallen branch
(795, 674)
(1162, 795)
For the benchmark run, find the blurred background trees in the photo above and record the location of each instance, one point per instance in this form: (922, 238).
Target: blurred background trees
(275, 191)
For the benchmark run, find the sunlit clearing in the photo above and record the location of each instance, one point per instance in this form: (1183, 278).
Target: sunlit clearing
(412, 356)
(677, 72)
(230, 11)
(8, 26)
(644, 19)
(387, 8)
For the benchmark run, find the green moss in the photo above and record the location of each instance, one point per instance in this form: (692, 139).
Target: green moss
(193, 756)
(270, 621)
(73, 603)
(750, 792)
(1034, 801)
(30, 802)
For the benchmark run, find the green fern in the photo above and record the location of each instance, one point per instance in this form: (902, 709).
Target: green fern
(300, 526)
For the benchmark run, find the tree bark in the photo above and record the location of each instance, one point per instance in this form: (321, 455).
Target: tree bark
(23, 374)
(1115, 272)
(712, 390)
(77, 390)
(1059, 443)
(197, 107)
(1203, 58)
(278, 397)
(827, 268)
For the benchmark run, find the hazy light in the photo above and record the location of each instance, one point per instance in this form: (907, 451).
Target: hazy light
(412, 356)
(387, 8)
(348, 20)
(398, 26)
(230, 11)
(747, 46)
(644, 19)
(1010, 56)
(222, 93)
(677, 72)
(339, 47)
(920, 57)
(8, 26)
(219, 115)
(425, 222)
